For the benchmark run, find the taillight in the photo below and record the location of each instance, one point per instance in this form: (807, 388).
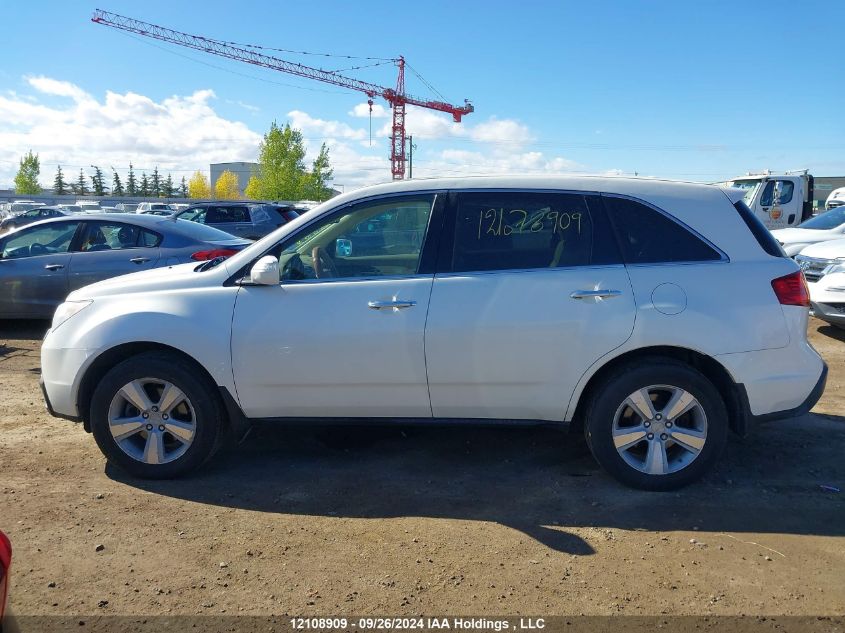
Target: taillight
(5, 562)
(791, 290)
(202, 256)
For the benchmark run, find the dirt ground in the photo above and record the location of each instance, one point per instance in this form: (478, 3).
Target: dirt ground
(419, 521)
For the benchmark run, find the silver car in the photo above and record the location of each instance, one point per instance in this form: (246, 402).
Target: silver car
(41, 263)
(28, 217)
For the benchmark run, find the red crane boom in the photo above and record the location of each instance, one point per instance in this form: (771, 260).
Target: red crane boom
(396, 97)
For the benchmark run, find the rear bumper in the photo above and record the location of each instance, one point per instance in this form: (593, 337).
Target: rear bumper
(830, 313)
(795, 412)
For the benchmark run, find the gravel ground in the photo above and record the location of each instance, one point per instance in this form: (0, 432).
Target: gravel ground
(418, 521)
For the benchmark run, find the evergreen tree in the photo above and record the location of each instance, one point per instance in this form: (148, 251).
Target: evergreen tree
(145, 185)
(117, 186)
(59, 185)
(81, 187)
(183, 189)
(167, 189)
(131, 183)
(97, 183)
(155, 183)
(26, 180)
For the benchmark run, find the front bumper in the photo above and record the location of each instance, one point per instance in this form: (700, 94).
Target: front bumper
(50, 410)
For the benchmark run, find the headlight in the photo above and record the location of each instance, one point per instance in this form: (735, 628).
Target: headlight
(67, 310)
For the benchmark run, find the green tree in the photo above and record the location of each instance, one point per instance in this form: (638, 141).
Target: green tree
(131, 183)
(155, 183)
(281, 164)
(97, 183)
(59, 185)
(80, 188)
(145, 185)
(183, 189)
(26, 180)
(317, 182)
(167, 188)
(116, 185)
(253, 188)
(226, 187)
(198, 186)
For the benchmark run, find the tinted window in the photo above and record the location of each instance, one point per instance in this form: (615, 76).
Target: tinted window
(647, 236)
(149, 239)
(108, 236)
(224, 215)
(371, 239)
(40, 240)
(196, 231)
(764, 238)
(501, 231)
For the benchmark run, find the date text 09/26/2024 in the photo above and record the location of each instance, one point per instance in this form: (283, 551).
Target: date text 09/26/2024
(415, 624)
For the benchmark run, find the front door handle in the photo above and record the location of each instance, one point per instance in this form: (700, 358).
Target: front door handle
(139, 260)
(599, 294)
(54, 266)
(396, 304)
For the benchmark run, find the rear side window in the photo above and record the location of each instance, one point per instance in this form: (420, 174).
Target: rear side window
(225, 215)
(647, 236)
(764, 238)
(526, 230)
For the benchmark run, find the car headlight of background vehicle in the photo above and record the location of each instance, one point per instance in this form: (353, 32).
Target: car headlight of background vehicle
(67, 310)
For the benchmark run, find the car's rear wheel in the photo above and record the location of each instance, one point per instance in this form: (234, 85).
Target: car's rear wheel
(155, 416)
(656, 425)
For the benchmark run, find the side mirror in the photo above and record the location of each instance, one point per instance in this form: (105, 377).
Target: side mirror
(265, 272)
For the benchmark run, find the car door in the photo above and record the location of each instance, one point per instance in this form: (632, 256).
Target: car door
(337, 338)
(34, 269)
(781, 202)
(529, 292)
(107, 249)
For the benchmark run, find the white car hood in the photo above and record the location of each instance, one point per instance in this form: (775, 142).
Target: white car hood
(830, 249)
(166, 278)
(803, 236)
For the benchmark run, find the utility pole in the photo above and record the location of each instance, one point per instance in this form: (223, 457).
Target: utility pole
(411, 156)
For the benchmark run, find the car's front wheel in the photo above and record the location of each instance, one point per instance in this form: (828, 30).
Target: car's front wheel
(656, 425)
(155, 416)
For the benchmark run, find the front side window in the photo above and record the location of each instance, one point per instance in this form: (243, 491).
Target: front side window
(108, 236)
(777, 192)
(40, 240)
(647, 236)
(381, 238)
(197, 214)
(504, 230)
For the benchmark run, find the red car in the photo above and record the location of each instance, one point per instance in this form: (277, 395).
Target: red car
(5, 561)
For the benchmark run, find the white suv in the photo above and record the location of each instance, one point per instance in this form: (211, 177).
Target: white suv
(652, 316)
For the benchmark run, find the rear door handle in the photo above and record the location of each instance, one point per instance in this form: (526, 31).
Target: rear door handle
(139, 260)
(391, 305)
(600, 294)
(54, 266)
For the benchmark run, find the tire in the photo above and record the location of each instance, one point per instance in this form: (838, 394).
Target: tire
(186, 431)
(666, 451)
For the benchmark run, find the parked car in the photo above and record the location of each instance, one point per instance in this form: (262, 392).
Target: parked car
(835, 199)
(155, 208)
(827, 295)
(89, 206)
(5, 565)
(252, 221)
(126, 207)
(42, 262)
(70, 208)
(816, 260)
(33, 215)
(652, 316)
(16, 207)
(829, 225)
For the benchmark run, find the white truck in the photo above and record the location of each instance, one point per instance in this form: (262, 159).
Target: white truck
(779, 200)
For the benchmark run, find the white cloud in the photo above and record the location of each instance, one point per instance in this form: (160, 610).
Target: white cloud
(362, 111)
(182, 133)
(176, 133)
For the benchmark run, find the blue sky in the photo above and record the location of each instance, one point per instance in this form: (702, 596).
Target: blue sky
(698, 91)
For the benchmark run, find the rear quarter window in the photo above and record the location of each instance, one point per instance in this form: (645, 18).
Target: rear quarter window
(764, 238)
(648, 236)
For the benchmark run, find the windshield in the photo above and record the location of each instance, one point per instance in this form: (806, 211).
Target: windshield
(827, 220)
(749, 186)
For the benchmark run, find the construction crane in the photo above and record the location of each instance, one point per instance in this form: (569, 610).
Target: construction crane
(396, 97)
